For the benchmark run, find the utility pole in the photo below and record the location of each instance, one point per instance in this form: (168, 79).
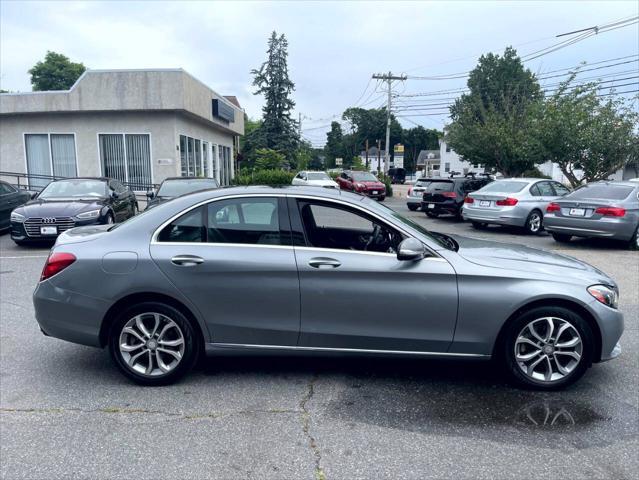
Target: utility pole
(299, 125)
(367, 155)
(388, 77)
(378, 152)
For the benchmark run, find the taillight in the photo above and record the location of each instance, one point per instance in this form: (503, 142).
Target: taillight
(449, 194)
(56, 262)
(553, 207)
(611, 211)
(469, 200)
(410, 190)
(507, 202)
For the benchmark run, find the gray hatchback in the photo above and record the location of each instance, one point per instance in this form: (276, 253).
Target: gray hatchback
(305, 269)
(600, 209)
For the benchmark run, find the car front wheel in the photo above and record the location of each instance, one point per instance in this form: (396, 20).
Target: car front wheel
(153, 344)
(547, 348)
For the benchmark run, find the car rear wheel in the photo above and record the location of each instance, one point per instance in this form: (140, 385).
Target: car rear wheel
(561, 237)
(479, 225)
(153, 344)
(412, 208)
(547, 348)
(534, 223)
(109, 219)
(432, 214)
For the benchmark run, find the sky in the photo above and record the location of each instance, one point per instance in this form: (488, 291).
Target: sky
(334, 47)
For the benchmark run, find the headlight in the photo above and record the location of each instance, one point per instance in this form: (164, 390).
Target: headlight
(16, 217)
(606, 295)
(89, 214)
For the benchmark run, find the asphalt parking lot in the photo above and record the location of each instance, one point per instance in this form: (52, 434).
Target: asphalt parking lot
(65, 412)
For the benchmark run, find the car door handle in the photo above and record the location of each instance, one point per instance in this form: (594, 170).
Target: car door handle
(187, 260)
(320, 262)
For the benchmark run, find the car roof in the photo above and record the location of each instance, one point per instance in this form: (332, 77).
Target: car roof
(188, 178)
(614, 183)
(100, 179)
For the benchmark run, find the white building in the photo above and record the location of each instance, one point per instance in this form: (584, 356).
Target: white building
(440, 163)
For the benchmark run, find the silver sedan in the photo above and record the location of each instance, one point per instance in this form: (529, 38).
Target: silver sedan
(305, 269)
(519, 202)
(600, 209)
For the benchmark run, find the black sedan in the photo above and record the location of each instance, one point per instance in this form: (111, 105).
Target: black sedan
(175, 186)
(10, 198)
(64, 204)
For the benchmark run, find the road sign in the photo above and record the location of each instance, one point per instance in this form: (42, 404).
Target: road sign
(339, 161)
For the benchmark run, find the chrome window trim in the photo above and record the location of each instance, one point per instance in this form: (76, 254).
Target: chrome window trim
(154, 237)
(351, 350)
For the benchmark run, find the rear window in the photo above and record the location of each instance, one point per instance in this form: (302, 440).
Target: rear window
(602, 191)
(440, 187)
(504, 187)
(423, 183)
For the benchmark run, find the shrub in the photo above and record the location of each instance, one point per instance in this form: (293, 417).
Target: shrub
(388, 182)
(534, 173)
(264, 177)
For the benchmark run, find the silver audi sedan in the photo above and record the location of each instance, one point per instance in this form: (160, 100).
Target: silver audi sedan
(302, 269)
(519, 202)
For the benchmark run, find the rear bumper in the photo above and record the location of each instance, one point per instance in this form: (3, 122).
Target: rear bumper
(68, 315)
(618, 229)
(512, 217)
(440, 208)
(416, 201)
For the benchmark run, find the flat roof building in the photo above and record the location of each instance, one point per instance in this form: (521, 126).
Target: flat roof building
(138, 126)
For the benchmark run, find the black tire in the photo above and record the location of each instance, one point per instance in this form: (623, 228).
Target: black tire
(561, 237)
(432, 214)
(633, 244)
(534, 223)
(479, 225)
(19, 243)
(191, 343)
(381, 199)
(505, 351)
(412, 208)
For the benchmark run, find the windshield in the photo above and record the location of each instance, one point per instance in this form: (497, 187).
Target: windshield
(364, 177)
(175, 188)
(601, 191)
(77, 188)
(504, 186)
(438, 238)
(317, 176)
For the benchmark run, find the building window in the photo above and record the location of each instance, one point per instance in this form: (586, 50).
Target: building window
(127, 157)
(50, 154)
(194, 157)
(447, 167)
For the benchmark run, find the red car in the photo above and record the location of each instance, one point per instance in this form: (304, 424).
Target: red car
(362, 182)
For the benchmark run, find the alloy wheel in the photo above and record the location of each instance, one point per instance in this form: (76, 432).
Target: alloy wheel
(151, 344)
(534, 222)
(548, 349)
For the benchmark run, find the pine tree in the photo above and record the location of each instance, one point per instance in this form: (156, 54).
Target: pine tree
(278, 130)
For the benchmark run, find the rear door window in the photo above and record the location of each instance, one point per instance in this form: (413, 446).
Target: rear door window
(545, 189)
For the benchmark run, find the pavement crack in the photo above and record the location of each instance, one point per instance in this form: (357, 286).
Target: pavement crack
(306, 427)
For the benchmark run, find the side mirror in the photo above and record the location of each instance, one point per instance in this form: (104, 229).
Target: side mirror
(33, 195)
(150, 194)
(411, 249)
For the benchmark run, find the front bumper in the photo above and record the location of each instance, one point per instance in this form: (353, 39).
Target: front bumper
(68, 315)
(611, 325)
(19, 232)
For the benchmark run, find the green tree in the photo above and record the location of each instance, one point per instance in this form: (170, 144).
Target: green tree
(56, 72)
(268, 159)
(370, 124)
(334, 147)
(278, 130)
(418, 139)
(579, 130)
(493, 123)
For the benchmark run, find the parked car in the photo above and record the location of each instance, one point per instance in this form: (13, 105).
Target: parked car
(519, 202)
(362, 182)
(314, 179)
(175, 186)
(446, 195)
(415, 194)
(599, 209)
(10, 198)
(397, 175)
(325, 271)
(64, 204)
